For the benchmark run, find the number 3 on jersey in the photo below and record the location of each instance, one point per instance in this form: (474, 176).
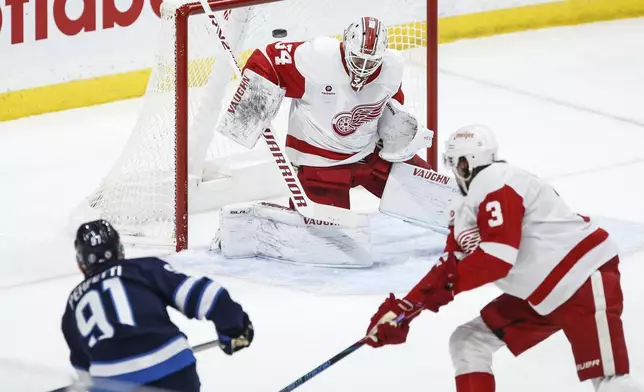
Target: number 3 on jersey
(90, 312)
(496, 216)
(285, 54)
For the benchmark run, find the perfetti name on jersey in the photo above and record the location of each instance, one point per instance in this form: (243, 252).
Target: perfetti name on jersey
(85, 286)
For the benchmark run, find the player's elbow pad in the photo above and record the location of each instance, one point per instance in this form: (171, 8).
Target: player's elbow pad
(226, 313)
(401, 134)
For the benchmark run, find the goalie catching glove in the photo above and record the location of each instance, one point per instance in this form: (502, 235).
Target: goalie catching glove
(400, 133)
(254, 105)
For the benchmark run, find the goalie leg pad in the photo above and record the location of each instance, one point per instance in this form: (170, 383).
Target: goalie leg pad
(419, 196)
(373, 174)
(276, 232)
(253, 106)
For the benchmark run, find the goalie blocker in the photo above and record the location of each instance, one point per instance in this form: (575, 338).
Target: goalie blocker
(253, 106)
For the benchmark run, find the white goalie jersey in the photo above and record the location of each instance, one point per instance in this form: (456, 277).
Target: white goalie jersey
(329, 122)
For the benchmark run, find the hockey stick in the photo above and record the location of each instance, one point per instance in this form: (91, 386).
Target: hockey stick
(354, 347)
(205, 346)
(303, 204)
(336, 358)
(196, 349)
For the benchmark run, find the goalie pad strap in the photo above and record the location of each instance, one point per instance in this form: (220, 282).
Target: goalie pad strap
(253, 106)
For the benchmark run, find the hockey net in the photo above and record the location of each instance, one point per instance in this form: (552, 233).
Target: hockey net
(174, 162)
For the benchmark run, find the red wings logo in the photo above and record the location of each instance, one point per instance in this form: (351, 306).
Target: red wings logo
(346, 123)
(469, 240)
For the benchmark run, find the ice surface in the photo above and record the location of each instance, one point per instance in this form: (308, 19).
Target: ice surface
(565, 103)
(402, 254)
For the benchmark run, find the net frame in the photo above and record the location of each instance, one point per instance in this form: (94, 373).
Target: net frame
(147, 192)
(182, 15)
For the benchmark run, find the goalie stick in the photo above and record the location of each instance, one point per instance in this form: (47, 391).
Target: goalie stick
(339, 356)
(303, 204)
(195, 349)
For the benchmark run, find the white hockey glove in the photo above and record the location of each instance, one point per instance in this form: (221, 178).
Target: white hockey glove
(253, 106)
(401, 135)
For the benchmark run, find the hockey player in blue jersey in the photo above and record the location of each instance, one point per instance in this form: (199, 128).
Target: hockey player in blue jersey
(116, 322)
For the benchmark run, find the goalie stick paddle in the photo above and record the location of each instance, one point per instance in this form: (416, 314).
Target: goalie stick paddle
(195, 349)
(304, 205)
(339, 356)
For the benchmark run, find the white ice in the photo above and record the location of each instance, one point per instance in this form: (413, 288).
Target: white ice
(566, 103)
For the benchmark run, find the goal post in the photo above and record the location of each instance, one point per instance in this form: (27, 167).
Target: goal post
(175, 165)
(182, 15)
(432, 80)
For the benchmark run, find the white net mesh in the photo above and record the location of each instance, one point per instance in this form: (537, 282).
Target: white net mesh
(138, 194)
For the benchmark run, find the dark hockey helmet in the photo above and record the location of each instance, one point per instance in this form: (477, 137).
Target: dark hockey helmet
(97, 242)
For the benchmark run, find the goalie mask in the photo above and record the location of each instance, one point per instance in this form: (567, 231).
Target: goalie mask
(469, 150)
(364, 42)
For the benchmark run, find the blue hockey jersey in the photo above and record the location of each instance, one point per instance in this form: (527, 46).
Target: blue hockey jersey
(117, 326)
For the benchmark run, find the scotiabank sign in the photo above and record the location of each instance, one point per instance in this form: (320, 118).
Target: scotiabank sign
(17, 17)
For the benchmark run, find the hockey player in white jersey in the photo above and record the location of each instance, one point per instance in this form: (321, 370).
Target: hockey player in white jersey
(347, 126)
(558, 271)
(346, 97)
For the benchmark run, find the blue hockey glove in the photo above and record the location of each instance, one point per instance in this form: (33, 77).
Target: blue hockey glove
(232, 340)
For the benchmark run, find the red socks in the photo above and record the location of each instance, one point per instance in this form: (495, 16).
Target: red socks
(475, 382)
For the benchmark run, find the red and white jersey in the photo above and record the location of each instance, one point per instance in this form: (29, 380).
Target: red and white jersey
(515, 227)
(329, 122)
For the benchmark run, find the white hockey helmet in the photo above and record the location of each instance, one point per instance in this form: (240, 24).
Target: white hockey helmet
(469, 148)
(364, 42)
